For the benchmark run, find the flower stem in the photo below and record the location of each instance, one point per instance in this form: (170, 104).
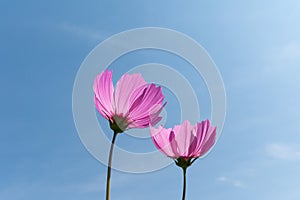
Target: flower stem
(109, 165)
(184, 183)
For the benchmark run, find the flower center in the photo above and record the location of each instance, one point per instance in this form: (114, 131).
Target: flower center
(183, 162)
(119, 124)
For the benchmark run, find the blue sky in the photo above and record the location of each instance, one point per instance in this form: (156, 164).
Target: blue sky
(256, 46)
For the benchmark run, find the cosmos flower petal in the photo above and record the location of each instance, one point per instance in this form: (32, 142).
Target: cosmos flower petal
(125, 88)
(133, 104)
(104, 91)
(192, 146)
(186, 141)
(183, 137)
(201, 134)
(160, 137)
(146, 108)
(210, 141)
(174, 145)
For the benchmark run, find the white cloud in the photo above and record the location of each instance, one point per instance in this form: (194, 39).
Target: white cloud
(233, 182)
(222, 179)
(283, 151)
(291, 51)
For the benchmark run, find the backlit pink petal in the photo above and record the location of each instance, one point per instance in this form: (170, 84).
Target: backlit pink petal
(174, 145)
(101, 109)
(154, 116)
(146, 108)
(193, 144)
(134, 103)
(104, 90)
(186, 141)
(210, 141)
(126, 86)
(160, 134)
(201, 134)
(183, 137)
(207, 134)
(160, 137)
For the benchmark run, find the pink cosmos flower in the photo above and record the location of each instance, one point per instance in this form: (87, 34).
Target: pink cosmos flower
(185, 141)
(132, 104)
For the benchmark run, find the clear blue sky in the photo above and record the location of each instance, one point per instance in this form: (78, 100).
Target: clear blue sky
(256, 46)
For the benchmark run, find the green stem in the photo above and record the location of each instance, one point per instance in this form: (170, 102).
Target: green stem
(109, 166)
(184, 183)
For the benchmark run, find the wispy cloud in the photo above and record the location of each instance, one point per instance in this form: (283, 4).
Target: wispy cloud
(283, 59)
(233, 182)
(276, 63)
(291, 51)
(90, 186)
(84, 32)
(283, 151)
(97, 184)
